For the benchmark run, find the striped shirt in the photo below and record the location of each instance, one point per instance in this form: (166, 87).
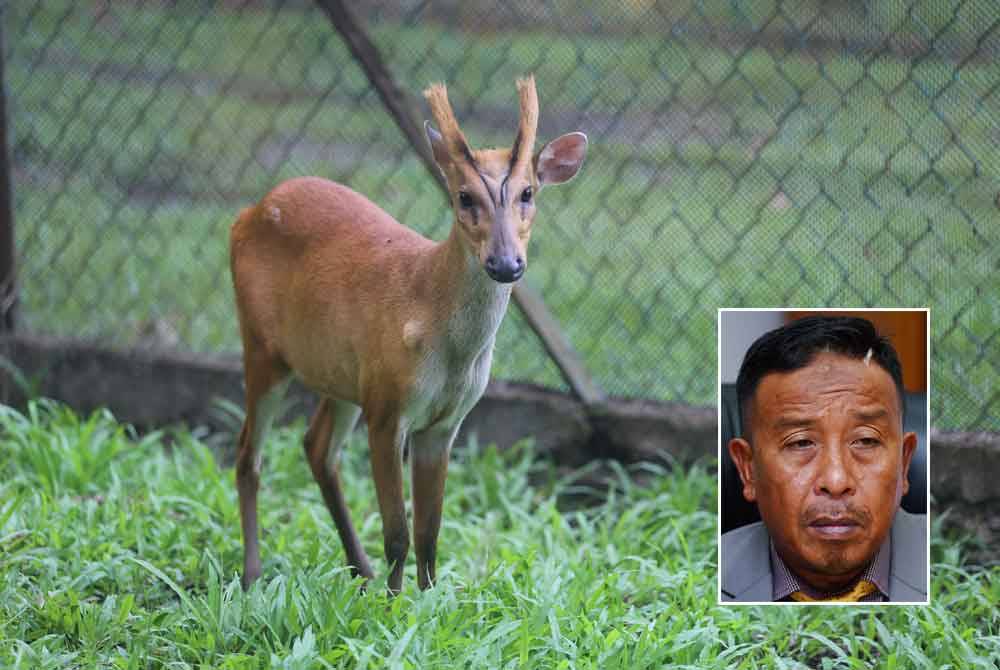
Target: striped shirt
(784, 582)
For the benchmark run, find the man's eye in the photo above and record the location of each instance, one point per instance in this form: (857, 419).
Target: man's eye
(800, 444)
(868, 442)
(465, 200)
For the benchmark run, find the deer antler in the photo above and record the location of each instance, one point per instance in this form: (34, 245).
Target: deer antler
(437, 99)
(524, 142)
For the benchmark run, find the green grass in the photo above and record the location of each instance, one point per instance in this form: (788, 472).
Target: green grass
(759, 176)
(118, 552)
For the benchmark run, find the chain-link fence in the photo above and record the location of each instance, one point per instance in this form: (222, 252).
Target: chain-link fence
(743, 153)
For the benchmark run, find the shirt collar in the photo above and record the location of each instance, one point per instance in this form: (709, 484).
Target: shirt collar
(784, 582)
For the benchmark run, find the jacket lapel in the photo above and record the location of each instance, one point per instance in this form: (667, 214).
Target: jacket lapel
(746, 571)
(908, 572)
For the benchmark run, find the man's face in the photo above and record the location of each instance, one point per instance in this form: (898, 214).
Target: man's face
(827, 465)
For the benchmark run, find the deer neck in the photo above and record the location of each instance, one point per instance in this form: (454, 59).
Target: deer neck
(477, 303)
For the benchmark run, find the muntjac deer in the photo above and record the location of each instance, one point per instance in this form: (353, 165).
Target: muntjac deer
(380, 320)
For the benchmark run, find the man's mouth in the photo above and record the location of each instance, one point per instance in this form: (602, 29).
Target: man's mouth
(835, 527)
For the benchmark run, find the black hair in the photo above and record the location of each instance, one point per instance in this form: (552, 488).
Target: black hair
(794, 346)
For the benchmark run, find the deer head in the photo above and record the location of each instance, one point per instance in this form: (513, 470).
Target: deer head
(493, 190)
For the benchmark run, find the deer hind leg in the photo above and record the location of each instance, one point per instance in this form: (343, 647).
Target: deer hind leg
(266, 381)
(429, 468)
(328, 431)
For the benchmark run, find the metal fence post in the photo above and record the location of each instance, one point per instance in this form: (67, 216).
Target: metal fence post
(8, 286)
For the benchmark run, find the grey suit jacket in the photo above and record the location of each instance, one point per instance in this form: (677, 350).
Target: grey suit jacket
(746, 561)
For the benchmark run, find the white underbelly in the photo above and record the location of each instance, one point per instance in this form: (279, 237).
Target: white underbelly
(443, 394)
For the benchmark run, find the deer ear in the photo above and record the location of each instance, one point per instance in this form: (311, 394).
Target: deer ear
(438, 147)
(560, 159)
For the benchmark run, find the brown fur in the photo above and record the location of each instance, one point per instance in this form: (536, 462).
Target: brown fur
(326, 285)
(369, 313)
(299, 276)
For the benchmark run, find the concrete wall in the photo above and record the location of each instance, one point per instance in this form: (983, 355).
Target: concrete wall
(156, 388)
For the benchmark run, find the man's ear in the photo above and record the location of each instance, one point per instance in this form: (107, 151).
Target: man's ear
(742, 455)
(438, 147)
(560, 159)
(909, 447)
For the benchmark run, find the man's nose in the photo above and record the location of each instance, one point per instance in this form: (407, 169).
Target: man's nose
(836, 475)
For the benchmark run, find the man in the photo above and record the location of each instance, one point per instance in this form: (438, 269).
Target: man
(824, 456)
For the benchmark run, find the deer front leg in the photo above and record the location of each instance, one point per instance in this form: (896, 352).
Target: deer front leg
(329, 429)
(429, 453)
(385, 444)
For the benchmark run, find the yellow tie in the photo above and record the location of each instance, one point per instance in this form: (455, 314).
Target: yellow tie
(861, 589)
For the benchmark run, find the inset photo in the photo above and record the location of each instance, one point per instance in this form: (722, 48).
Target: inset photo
(823, 458)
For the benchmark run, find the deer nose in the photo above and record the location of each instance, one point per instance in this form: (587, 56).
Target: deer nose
(504, 269)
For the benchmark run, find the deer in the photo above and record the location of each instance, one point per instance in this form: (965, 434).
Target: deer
(382, 322)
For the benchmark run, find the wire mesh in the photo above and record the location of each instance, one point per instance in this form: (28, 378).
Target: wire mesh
(764, 153)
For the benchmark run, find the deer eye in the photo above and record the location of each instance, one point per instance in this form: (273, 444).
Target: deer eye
(465, 200)
(526, 195)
